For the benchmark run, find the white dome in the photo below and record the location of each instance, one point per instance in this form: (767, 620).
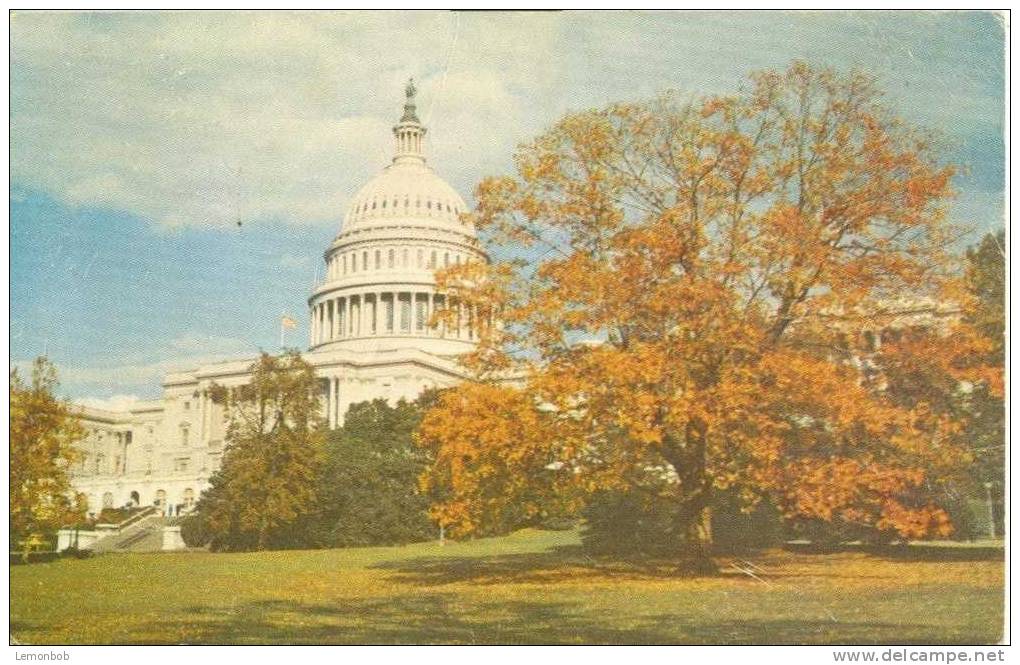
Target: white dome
(406, 192)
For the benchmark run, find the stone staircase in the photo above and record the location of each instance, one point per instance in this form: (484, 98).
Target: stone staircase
(145, 535)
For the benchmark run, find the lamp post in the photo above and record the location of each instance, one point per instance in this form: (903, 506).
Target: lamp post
(991, 510)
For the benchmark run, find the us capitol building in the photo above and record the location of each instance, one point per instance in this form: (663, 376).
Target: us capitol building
(370, 338)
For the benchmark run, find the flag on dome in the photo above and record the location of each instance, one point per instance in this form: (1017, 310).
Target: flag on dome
(288, 322)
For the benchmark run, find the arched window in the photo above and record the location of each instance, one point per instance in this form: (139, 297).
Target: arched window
(432, 259)
(405, 258)
(390, 259)
(184, 435)
(421, 257)
(364, 260)
(378, 259)
(428, 204)
(373, 205)
(344, 258)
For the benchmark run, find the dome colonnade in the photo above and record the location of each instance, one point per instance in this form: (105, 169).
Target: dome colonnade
(402, 226)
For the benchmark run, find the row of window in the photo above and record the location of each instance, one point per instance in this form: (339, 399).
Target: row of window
(363, 260)
(188, 498)
(394, 204)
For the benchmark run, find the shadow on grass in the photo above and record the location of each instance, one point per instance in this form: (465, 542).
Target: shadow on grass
(566, 562)
(449, 619)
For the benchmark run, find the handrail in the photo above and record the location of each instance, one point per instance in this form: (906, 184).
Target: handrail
(145, 512)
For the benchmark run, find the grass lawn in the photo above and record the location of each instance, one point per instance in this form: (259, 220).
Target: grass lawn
(529, 587)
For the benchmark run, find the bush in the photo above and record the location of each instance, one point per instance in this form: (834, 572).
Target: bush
(195, 531)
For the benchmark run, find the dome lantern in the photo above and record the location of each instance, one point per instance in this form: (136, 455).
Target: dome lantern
(409, 132)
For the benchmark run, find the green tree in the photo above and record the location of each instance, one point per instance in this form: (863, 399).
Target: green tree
(43, 436)
(275, 438)
(984, 403)
(368, 488)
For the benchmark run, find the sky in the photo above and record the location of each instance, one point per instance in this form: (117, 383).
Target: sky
(139, 140)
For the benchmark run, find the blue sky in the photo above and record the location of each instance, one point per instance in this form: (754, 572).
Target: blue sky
(138, 141)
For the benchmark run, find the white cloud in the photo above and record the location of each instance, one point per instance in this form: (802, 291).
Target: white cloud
(186, 352)
(112, 403)
(207, 118)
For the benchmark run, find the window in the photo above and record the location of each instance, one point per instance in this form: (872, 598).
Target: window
(107, 500)
(405, 258)
(384, 203)
(390, 259)
(421, 257)
(189, 497)
(364, 260)
(389, 315)
(432, 260)
(184, 436)
(378, 259)
(345, 263)
(99, 463)
(354, 262)
(181, 464)
(187, 405)
(446, 259)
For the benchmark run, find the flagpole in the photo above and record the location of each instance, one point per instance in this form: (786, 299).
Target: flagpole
(283, 329)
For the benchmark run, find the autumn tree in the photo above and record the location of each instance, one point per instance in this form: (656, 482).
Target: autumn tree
(274, 448)
(681, 292)
(44, 431)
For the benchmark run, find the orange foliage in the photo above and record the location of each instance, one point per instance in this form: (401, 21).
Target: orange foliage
(693, 272)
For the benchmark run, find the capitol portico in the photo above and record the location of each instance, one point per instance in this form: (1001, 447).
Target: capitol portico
(370, 337)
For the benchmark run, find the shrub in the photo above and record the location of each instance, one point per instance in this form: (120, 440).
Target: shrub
(195, 531)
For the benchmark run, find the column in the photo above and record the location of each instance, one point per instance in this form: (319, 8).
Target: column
(336, 402)
(347, 317)
(335, 332)
(432, 313)
(329, 403)
(206, 417)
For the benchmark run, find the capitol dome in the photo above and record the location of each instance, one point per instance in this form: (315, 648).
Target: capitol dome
(379, 287)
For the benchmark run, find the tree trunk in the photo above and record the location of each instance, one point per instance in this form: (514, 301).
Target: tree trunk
(697, 556)
(693, 523)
